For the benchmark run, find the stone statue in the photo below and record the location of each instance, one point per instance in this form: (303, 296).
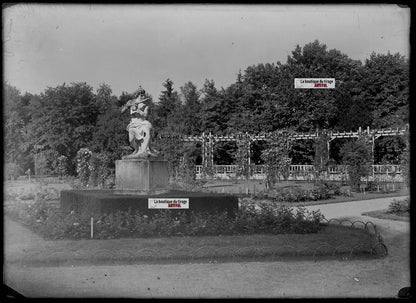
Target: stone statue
(139, 128)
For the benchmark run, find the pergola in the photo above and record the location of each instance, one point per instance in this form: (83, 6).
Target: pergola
(208, 140)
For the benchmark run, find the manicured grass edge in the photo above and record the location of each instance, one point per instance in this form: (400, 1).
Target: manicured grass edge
(383, 214)
(199, 249)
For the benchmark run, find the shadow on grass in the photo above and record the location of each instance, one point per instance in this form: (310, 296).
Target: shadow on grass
(333, 242)
(383, 214)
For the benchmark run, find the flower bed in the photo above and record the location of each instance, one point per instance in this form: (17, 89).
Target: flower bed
(323, 191)
(251, 218)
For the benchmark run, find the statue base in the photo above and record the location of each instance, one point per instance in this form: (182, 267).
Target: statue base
(142, 175)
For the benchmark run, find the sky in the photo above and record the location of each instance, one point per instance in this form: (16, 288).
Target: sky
(124, 46)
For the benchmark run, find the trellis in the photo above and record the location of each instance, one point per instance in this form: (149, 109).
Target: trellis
(208, 140)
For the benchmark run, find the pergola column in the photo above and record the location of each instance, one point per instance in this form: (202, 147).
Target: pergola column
(207, 152)
(328, 145)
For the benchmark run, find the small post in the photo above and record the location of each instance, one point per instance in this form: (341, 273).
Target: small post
(92, 227)
(247, 191)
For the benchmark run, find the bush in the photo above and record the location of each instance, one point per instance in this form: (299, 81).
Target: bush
(12, 171)
(266, 217)
(356, 156)
(399, 207)
(83, 165)
(322, 191)
(62, 166)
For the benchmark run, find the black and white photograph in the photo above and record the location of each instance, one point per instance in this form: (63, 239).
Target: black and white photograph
(206, 151)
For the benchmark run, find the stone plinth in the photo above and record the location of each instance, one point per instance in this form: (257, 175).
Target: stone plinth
(143, 175)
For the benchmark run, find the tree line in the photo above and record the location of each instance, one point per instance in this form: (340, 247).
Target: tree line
(63, 119)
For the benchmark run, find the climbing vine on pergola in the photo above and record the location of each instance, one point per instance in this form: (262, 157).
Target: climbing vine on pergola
(244, 141)
(276, 156)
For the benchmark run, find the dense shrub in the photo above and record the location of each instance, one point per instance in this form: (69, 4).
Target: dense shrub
(276, 157)
(36, 193)
(251, 218)
(399, 207)
(12, 171)
(100, 170)
(322, 191)
(83, 165)
(356, 155)
(62, 166)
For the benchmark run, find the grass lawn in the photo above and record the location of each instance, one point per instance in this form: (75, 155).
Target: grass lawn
(331, 242)
(383, 214)
(240, 187)
(358, 197)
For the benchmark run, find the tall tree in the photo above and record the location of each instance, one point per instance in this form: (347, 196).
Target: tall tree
(317, 108)
(16, 116)
(167, 106)
(386, 89)
(63, 119)
(110, 135)
(191, 119)
(215, 110)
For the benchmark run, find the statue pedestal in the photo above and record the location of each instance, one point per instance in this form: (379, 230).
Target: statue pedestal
(142, 175)
(137, 180)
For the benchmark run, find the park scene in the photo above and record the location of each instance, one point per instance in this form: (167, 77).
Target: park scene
(257, 188)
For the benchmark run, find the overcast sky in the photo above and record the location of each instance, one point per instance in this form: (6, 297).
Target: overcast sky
(128, 45)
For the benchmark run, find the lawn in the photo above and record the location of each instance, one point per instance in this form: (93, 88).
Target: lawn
(383, 214)
(331, 242)
(241, 187)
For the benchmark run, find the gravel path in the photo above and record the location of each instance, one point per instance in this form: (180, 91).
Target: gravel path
(358, 278)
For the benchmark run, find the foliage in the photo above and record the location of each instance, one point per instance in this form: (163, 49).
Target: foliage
(110, 135)
(405, 163)
(385, 87)
(303, 152)
(15, 117)
(191, 121)
(389, 150)
(225, 152)
(399, 206)
(215, 110)
(357, 156)
(100, 169)
(172, 149)
(321, 191)
(47, 162)
(167, 107)
(242, 156)
(276, 218)
(316, 109)
(12, 171)
(186, 168)
(262, 99)
(276, 157)
(61, 168)
(268, 218)
(321, 159)
(63, 119)
(83, 165)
